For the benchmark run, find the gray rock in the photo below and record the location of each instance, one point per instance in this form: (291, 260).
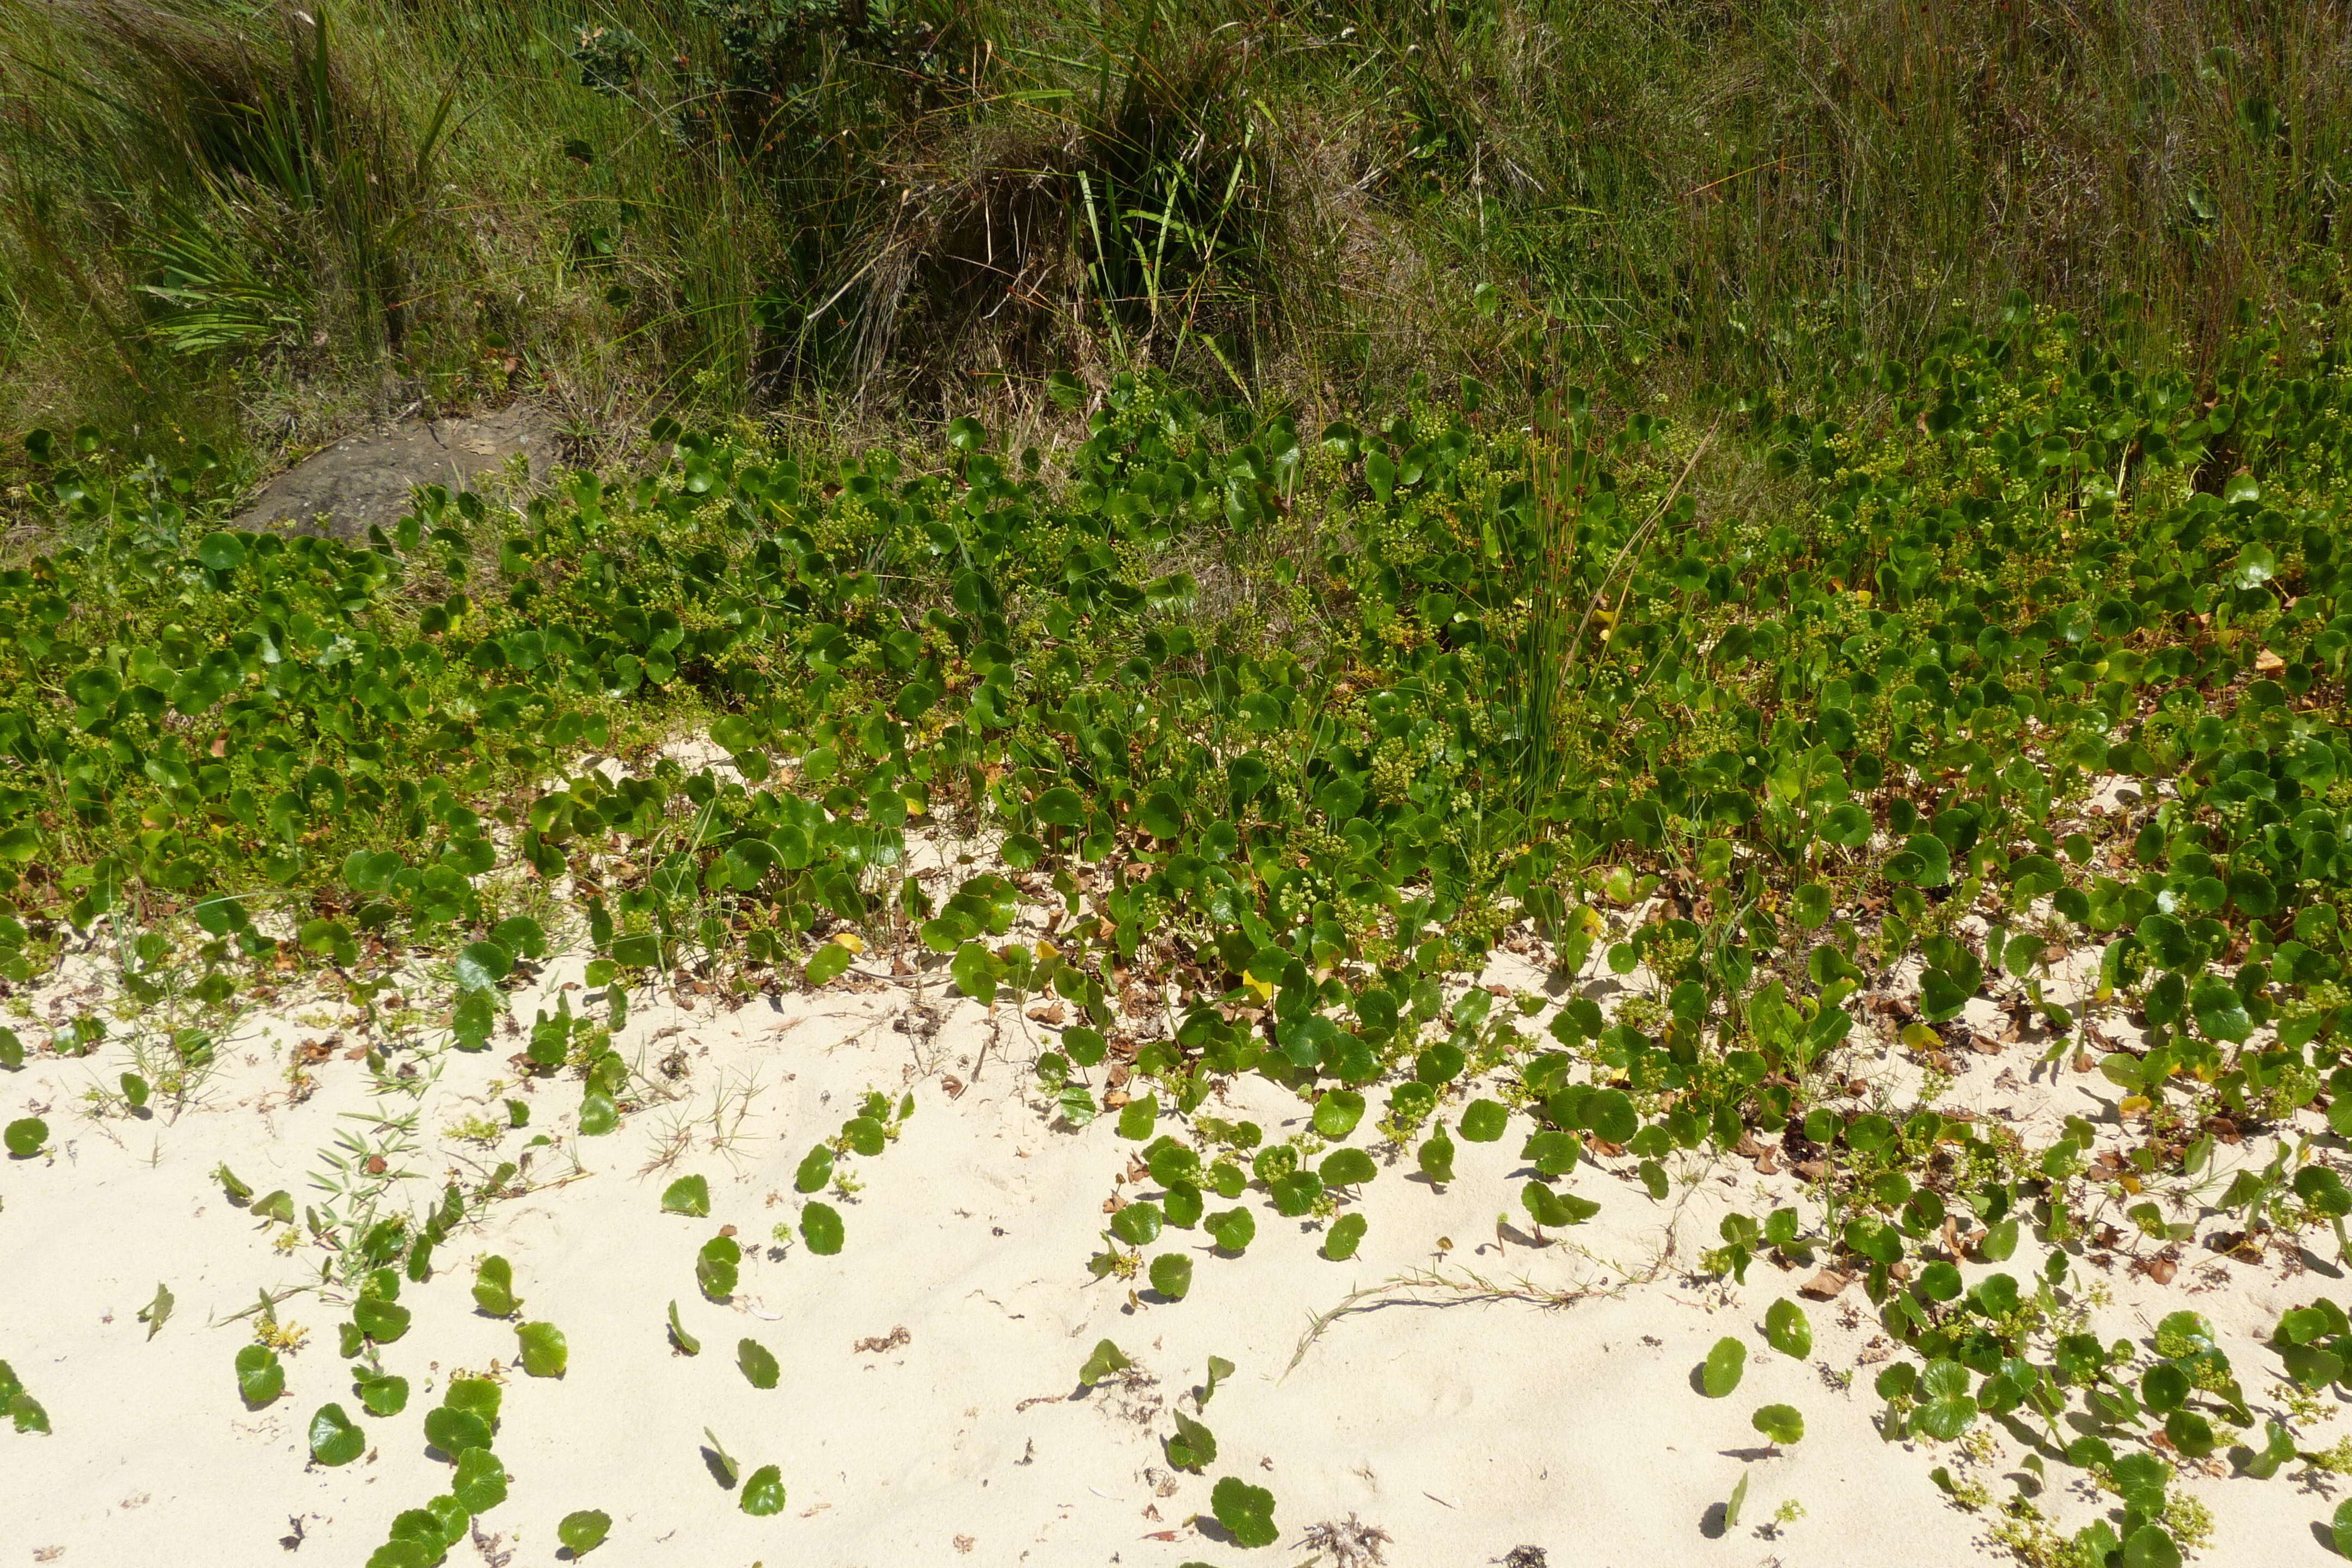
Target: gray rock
(365, 480)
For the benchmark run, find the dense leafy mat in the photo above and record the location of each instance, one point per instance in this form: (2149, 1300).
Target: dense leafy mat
(1292, 728)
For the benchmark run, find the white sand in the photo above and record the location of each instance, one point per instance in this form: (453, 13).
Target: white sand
(1461, 1427)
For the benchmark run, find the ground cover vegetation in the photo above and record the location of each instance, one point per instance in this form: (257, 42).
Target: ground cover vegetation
(1288, 730)
(1331, 523)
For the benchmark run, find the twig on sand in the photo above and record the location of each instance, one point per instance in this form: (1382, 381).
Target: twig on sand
(1441, 1287)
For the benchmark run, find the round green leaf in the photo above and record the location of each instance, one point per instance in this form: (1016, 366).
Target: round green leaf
(1246, 1512)
(1171, 1274)
(764, 1492)
(455, 1431)
(481, 1480)
(1788, 1330)
(715, 1267)
(1779, 1423)
(584, 1531)
(1161, 815)
(1233, 1230)
(1724, 1366)
(220, 551)
(381, 1321)
(1485, 1121)
(1346, 1235)
(687, 1196)
(334, 1440)
(759, 1364)
(24, 1136)
(1337, 1113)
(259, 1377)
(1136, 1224)
(2150, 1546)
(1611, 1117)
(821, 1228)
(2164, 1387)
(545, 1352)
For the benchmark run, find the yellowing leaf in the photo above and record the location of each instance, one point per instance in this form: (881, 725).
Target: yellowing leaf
(850, 940)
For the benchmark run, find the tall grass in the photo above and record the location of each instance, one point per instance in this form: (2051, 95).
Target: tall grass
(256, 226)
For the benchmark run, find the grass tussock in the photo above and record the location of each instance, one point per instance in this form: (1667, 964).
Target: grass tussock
(253, 226)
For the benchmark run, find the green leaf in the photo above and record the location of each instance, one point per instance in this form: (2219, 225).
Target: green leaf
(1219, 1370)
(1138, 1117)
(1941, 996)
(1611, 1117)
(829, 962)
(1788, 1330)
(760, 1368)
(545, 1352)
(453, 1431)
(821, 1228)
(1485, 1121)
(1346, 1235)
(1105, 1358)
(381, 1321)
(1347, 1168)
(494, 1288)
(1232, 1230)
(259, 1377)
(26, 1412)
(679, 1337)
(2150, 1546)
(584, 1531)
(481, 1480)
(334, 1440)
(381, 1394)
(598, 1114)
(1171, 1274)
(157, 1312)
(1295, 1194)
(1779, 1423)
(24, 1136)
(2221, 1014)
(1739, 1498)
(1246, 1512)
(687, 1196)
(975, 970)
(2340, 1527)
(476, 1396)
(1724, 1366)
(1193, 1448)
(1436, 1157)
(1337, 1113)
(2164, 1387)
(715, 1267)
(220, 551)
(1136, 1224)
(1161, 815)
(815, 1170)
(1945, 1419)
(482, 964)
(763, 1494)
